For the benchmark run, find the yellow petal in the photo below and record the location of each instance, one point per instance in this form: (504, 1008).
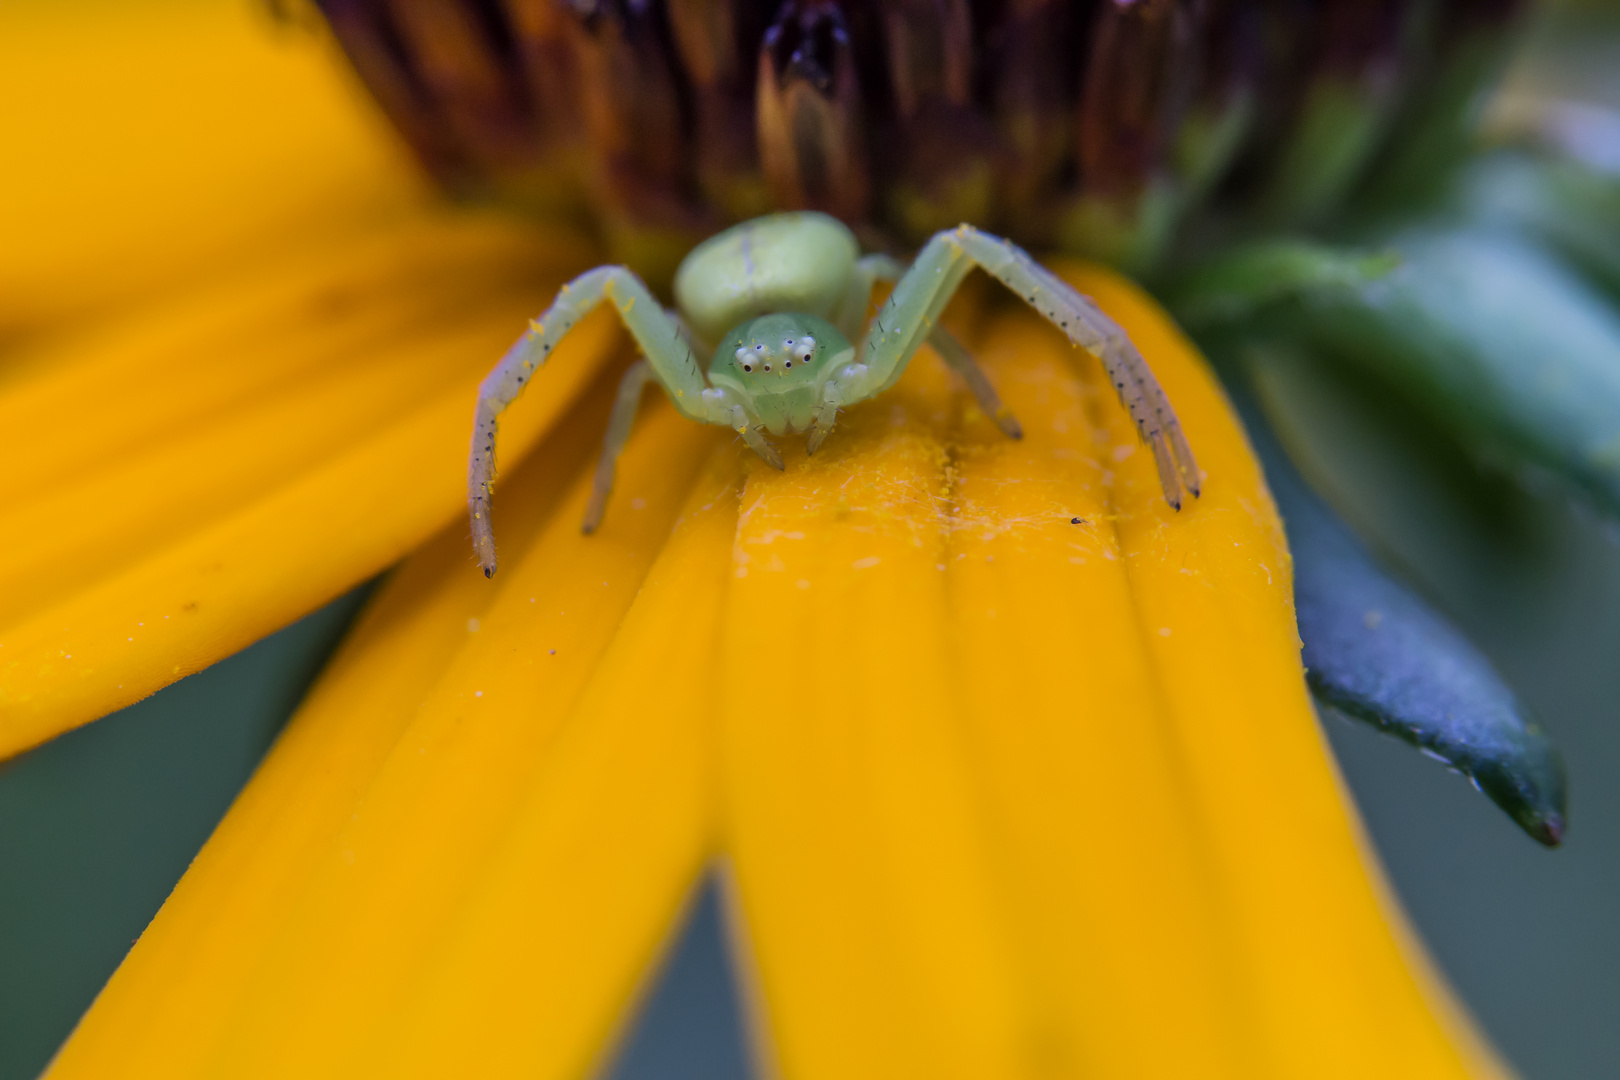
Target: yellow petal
(263, 332)
(1111, 888)
(1003, 793)
(860, 856)
(163, 554)
(1035, 812)
(458, 810)
(146, 146)
(334, 971)
(1333, 993)
(606, 846)
(197, 951)
(313, 367)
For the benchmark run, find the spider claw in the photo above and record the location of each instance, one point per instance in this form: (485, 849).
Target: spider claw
(596, 509)
(760, 445)
(769, 454)
(1186, 466)
(1169, 479)
(1009, 425)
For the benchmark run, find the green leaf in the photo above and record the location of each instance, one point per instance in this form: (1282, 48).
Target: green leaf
(1499, 342)
(1375, 652)
(1245, 281)
(1333, 139)
(1568, 207)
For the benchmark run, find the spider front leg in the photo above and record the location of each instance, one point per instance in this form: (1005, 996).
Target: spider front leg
(754, 436)
(871, 269)
(914, 307)
(661, 342)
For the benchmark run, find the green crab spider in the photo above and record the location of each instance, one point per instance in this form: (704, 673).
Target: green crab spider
(778, 301)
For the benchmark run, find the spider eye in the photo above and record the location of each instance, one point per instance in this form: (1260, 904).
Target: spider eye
(767, 367)
(748, 367)
(788, 364)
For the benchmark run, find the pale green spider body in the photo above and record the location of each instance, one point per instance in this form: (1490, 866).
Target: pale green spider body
(779, 300)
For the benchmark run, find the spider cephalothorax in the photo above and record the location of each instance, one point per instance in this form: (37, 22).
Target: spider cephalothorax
(777, 301)
(780, 365)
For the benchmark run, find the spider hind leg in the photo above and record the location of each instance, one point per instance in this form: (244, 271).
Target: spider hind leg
(622, 419)
(959, 360)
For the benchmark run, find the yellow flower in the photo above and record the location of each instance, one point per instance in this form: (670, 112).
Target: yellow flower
(1009, 770)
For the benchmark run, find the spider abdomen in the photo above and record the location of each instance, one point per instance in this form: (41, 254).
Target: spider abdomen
(784, 262)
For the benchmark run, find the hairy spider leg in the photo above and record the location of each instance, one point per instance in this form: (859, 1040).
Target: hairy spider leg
(869, 270)
(850, 318)
(679, 322)
(913, 309)
(959, 360)
(832, 396)
(755, 438)
(625, 403)
(721, 408)
(953, 352)
(661, 342)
